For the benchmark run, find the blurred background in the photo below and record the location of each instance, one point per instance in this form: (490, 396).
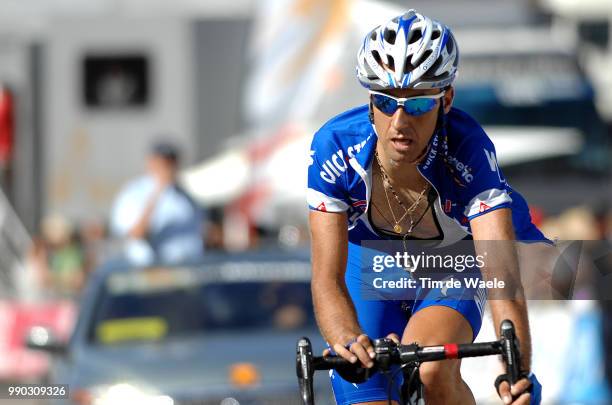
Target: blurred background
(118, 117)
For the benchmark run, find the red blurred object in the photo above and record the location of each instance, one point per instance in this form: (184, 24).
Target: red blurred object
(6, 125)
(537, 215)
(16, 318)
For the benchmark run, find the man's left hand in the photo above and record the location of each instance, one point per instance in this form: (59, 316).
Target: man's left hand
(526, 391)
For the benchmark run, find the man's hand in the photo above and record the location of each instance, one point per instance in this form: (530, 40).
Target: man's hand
(359, 348)
(520, 391)
(520, 387)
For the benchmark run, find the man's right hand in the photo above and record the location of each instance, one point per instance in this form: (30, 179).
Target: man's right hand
(359, 348)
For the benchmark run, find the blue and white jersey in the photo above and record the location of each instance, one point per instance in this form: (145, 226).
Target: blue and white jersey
(460, 164)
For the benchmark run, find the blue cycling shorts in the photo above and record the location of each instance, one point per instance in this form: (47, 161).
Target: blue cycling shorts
(378, 318)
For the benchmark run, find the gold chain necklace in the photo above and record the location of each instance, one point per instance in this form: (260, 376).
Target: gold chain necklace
(397, 228)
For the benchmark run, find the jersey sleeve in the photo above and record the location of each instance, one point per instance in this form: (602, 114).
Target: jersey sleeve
(327, 176)
(485, 188)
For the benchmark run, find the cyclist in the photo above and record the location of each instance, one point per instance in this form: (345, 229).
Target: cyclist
(409, 166)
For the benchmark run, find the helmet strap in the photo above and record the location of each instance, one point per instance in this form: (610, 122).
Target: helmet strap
(441, 116)
(440, 122)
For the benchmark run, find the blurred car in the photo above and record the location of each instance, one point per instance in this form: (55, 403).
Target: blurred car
(220, 332)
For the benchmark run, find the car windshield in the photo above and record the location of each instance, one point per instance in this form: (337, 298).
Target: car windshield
(163, 303)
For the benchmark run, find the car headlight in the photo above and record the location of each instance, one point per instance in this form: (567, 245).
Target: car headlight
(126, 394)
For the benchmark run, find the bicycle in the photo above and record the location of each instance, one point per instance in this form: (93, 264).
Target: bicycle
(408, 358)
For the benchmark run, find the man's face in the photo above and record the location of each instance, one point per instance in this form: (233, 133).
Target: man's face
(403, 137)
(163, 169)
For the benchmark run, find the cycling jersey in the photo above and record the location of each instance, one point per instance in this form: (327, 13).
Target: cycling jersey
(460, 164)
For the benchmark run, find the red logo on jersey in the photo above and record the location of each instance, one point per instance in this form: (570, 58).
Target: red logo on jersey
(359, 203)
(448, 204)
(464, 220)
(483, 207)
(321, 207)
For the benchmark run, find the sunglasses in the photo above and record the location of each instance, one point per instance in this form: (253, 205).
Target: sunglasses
(415, 106)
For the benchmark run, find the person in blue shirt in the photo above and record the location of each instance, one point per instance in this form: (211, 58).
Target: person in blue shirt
(157, 220)
(409, 166)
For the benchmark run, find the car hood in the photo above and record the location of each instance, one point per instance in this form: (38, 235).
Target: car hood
(180, 365)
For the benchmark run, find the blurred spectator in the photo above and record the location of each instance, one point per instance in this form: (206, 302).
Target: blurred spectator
(603, 283)
(97, 247)
(573, 274)
(214, 236)
(576, 223)
(588, 269)
(582, 223)
(603, 216)
(56, 258)
(157, 219)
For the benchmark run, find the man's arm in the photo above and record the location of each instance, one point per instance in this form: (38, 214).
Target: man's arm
(333, 307)
(141, 227)
(502, 263)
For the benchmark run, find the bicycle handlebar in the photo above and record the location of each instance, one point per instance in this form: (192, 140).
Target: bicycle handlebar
(389, 353)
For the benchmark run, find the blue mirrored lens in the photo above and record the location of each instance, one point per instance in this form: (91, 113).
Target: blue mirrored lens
(419, 106)
(385, 104)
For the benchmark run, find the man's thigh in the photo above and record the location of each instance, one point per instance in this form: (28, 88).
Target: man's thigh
(434, 325)
(437, 324)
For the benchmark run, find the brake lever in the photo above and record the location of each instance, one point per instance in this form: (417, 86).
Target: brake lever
(511, 350)
(305, 370)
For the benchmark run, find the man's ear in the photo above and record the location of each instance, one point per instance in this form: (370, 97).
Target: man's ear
(449, 96)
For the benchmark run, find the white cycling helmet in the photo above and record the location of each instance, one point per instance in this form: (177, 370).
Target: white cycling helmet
(410, 51)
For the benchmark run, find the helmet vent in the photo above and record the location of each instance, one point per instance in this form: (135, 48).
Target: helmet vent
(377, 57)
(427, 54)
(435, 35)
(373, 36)
(390, 36)
(409, 67)
(450, 45)
(435, 66)
(416, 35)
(391, 65)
